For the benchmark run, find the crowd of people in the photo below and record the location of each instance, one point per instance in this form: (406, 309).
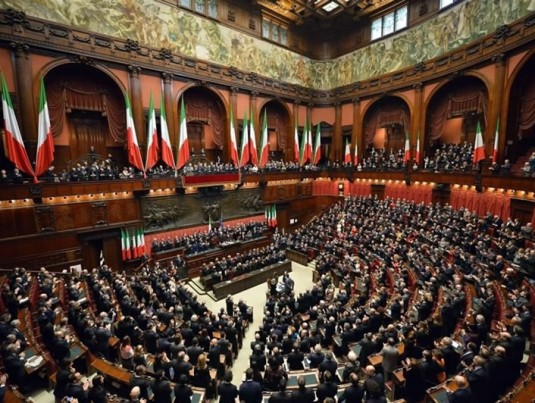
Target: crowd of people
(203, 241)
(451, 157)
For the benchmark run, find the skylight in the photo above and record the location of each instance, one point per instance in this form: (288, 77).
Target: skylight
(330, 6)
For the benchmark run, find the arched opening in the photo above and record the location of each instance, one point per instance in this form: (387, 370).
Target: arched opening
(385, 125)
(453, 113)
(277, 125)
(205, 117)
(520, 137)
(87, 115)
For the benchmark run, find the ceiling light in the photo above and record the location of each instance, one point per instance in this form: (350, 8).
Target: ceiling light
(330, 6)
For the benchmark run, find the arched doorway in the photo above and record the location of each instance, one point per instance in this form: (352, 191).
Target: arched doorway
(386, 123)
(520, 133)
(453, 113)
(205, 117)
(87, 112)
(278, 119)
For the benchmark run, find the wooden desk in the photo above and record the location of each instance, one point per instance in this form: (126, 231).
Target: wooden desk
(77, 350)
(377, 359)
(246, 281)
(198, 395)
(439, 393)
(114, 372)
(32, 352)
(297, 257)
(311, 377)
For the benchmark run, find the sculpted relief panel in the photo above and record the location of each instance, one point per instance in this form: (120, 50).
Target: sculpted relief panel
(194, 36)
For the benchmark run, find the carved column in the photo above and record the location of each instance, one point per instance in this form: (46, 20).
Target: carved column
(496, 109)
(356, 139)
(137, 105)
(170, 108)
(417, 121)
(25, 98)
(234, 108)
(337, 134)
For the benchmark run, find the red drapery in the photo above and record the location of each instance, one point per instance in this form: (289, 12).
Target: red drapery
(481, 203)
(192, 230)
(416, 193)
(325, 188)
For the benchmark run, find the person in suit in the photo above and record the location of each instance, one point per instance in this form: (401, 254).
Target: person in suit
(372, 379)
(227, 391)
(463, 394)
(77, 389)
(182, 391)
(3, 380)
(14, 364)
(250, 391)
(295, 359)
(97, 393)
(282, 396)
(354, 392)
(316, 357)
(162, 389)
(390, 358)
(328, 388)
(328, 364)
(478, 379)
(303, 394)
(60, 347)
(62, 379)
(140, 380)
(102, 336)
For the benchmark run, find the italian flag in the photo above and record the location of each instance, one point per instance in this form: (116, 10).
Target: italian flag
(233, 142)
(347, 153)
(244, 148)
(252, 142)
(264, 145)
(152, 141)
(317, 146)
(407, 155)
(418, 154)
(356, 155)
(167, 149)
(297, 154)
(495, 150)
(479, 148)
(16, 151)
(134, 154)
(274, 215)
(125, 245)
(140, 241)
(183, 144)
(309, 143)
(45, 139)
(302, 150)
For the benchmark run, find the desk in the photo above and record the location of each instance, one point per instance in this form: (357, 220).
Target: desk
(115, 373)
(311, 378)
(377, 359)
(77, 350)
(32, 352)
(198, 395)
(246, 281)
(439, 393)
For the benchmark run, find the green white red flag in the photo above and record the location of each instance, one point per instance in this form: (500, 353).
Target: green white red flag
(183, 144)
(45, 139)
(152, 137)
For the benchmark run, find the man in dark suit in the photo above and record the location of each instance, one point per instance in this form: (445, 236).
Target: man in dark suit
(328, 388)
(140, 380)
(60, 347)
(102, 335)
(354, 392)
(257, 360)
(250, 391)
(181, 366)
(328, 364)
(282, 396)
(302, 394)
(478, 379)
(463, 394)
(316, 357)
(295, 359)
(227, 391)
(162, 389)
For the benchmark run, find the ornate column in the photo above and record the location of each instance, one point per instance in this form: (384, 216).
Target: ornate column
(137, 105)
(25, 97)
(170, 107)
(496, 109)
(337, 134)
(356, 139)
(417, 122)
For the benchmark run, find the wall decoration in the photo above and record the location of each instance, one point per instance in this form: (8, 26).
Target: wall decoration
(194, 36)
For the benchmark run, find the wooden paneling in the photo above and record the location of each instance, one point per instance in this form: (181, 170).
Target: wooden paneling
(378, 190)
(522, 209)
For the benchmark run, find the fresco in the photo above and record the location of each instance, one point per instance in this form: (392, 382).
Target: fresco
(160, 25)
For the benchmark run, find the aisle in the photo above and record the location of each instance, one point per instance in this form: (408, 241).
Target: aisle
(256, 297)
